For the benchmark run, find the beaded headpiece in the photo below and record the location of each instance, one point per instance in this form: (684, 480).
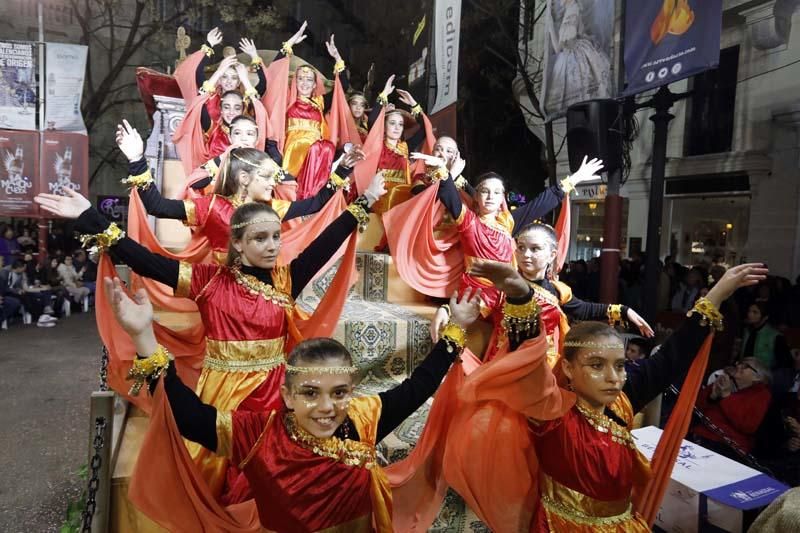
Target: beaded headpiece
(306, 68)
(291, 369)
(257, 220)
(597, 345)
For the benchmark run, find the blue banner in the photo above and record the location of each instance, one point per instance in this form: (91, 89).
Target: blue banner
(752, 493)
(669, 40)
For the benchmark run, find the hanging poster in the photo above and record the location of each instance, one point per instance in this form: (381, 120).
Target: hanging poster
(64, 163)
(579, 46)
(446, 32)
(17, 86)
(66, 69)
(669, 40)
(19, 162)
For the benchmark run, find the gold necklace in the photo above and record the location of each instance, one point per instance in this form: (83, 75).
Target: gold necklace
(603, 424)
(265, 290)
(349, 452)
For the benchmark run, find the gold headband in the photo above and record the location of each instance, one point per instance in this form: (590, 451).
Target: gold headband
(599, 345)
(306, 68)
(247, 161)
(291, 369)
(254, 221)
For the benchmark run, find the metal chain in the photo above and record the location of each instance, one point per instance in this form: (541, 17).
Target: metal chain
(104, 370)
(100, 424)
(748, 457)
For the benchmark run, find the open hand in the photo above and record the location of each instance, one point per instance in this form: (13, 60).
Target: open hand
(440, 318)
(735, 278)
(458, 166)
(503, 275)
(465, 310)
(430, 160)
(135, 315)
(300, 36)
(406, 98)
(214, 37)
(71, 205)
(332, 50)
(644, 328)
(352, 157)
(375, 189)
(129, 141)
(588, 171)
(388, 88)
(248, 47)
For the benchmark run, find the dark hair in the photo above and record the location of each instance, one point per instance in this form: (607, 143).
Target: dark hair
(244, 118)
(243, 214)
(489, 176)
(319, 350)
(588, 332)
(643, 344)
(763, 308)
(548, 230)
(17, 264)
(238, 160)
(233, 91)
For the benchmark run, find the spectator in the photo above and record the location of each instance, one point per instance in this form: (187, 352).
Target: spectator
(688, 291)
(37, 303)
(735, 404)
(9, 307)
(9, 249)
(760, 339)
(26, 242)
(71, 280)
(637, 348)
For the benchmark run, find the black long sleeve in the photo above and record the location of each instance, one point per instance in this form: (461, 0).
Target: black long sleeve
(200, 73)
(418, 138)
(373, 114)
(545, 202)
(669, 364)
(401, 401)
(576, 308)
(196, 420)
(273, 151)
(205, 119)
(140, 259)
(309, 206)
(261, 86)
(313, 258)
(154, 203)
(448, 195)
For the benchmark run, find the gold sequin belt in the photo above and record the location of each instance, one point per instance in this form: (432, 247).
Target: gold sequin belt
(304, 124)
(580, 508)
(393, 175)
(244, 356)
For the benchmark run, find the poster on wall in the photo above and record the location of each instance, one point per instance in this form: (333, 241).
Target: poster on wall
(446, 32)
(578, 52)
(64, 163)
(17, 86)
(668, 41)
(19, 162)
(66, 68)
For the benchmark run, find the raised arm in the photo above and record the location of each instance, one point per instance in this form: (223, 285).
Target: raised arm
(400, 402)
(313, 258)
(213, 38)
(418, 138)
(131, 144)
(381, 101)
(671, 362)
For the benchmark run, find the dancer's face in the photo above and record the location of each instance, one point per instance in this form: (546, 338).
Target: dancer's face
(394, 127)
(597, 375)
(489, 196)
(447, 149)
(229, 80)
(259, 184)
(534, 252)
(231, 107)
(357, 107)
(260, 244)
(319, 400)
(306, 81)
(244, 134)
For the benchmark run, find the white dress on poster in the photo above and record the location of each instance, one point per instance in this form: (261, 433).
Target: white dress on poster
(580, 70)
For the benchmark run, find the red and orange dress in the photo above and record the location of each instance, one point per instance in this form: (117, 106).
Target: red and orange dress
(526, 455)
(248, 317)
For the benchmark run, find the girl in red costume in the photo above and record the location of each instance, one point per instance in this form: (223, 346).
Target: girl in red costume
(210, 214)
(535, 255)
(311, 461)
(358, 108)
(246, 305)
(529, 455)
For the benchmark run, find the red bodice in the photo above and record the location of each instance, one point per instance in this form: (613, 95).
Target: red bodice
(218, 139)
(213, 214)
(214, 107)
(302, 108)
(549, 309)
(394, 159)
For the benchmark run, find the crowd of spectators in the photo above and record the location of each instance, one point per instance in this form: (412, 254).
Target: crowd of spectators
(42, 289)
(749, 408)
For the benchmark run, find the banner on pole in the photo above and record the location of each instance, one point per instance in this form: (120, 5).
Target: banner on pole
(579, 45)
(64, 163)
(446, 32)
(668, 41)
(66, 68)
(19, 162)
(17, 86)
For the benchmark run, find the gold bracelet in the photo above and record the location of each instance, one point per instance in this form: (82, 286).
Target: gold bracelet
(382, 99)
(286, 48)
(211, 167)
(338, 67)
(614, 313)
(101, 242)
(520, 319)
(337, 182)
(455, 336)
(140, 181)
(208, 87)
(256, 61)
(360, 214)
(438, 174)
(416, 111)
(567, 186)
(709, 312)
(148, 369)
(250, 94)
(207, 50)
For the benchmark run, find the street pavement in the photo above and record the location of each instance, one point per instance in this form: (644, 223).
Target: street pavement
(46, 378)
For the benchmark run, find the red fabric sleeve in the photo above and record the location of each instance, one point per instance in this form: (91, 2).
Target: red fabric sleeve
(246, 429)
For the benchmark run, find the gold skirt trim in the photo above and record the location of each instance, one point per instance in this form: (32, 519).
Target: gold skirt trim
(580, 508)
(304, 124)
